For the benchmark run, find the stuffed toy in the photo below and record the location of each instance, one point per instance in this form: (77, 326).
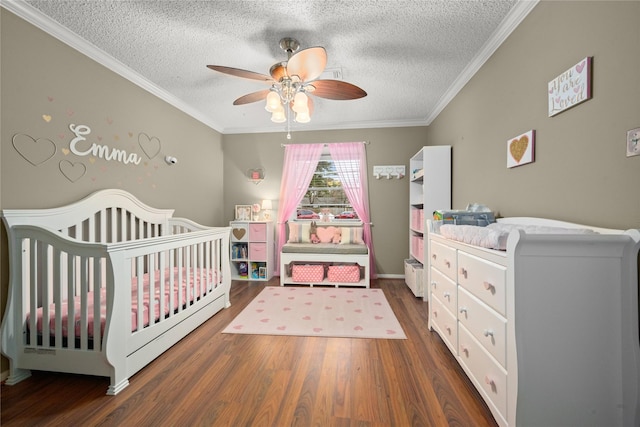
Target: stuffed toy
(337, 235)
(313, 233)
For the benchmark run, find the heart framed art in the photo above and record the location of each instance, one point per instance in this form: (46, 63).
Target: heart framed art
(520, 150)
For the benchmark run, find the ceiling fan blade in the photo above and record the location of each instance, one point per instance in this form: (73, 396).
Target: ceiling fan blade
(252, 97)
(336, 89)
(241, 73)
(307, 64)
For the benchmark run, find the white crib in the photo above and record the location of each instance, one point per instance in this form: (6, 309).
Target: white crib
(93, 263)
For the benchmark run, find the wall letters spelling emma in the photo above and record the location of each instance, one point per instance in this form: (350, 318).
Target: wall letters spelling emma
(77, 147)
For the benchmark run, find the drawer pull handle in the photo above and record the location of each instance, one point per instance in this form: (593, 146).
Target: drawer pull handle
(433, 257)
(434, 284)
(447, 263)
(491, 383)
(488, 286)
(435, 313)
(463, 310)
(449, 329)
(488, 333)
(463, 272)
(447, 295)
(464, 349)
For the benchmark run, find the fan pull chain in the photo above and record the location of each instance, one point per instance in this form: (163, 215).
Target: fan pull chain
(288, 121)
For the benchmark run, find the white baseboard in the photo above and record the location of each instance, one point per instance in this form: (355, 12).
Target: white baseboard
(391, 276)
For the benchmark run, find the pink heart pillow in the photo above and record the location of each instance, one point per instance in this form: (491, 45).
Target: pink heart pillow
(325, 234)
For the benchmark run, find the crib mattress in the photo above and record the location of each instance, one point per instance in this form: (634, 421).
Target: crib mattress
(180, 287)
(324, 248)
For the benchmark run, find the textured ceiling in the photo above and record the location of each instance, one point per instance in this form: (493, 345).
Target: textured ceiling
(410, 57)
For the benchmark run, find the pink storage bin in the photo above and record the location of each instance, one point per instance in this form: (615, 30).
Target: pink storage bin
(344, 273)
(307, 273)
(258, 251)
(258, 232)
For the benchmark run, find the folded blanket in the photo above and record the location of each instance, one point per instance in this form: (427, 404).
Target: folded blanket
(494, 236)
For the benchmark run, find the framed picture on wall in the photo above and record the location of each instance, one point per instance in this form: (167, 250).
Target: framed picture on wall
(243, 212)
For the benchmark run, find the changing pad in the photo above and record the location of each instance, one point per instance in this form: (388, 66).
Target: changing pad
(494, 236)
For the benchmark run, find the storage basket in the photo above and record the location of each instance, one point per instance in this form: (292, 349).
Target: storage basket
(344, 273)
(307, 273)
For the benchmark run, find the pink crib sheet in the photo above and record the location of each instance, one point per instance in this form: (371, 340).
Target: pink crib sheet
(180, 286)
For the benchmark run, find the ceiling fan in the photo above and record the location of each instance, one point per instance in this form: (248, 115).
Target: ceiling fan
(291, 81)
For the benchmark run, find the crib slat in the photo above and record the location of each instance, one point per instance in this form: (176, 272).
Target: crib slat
(140, 292)
(97, 311)
(181, 298)
(29, 262)
(84, 309)
(102, 227)
(71, 306)
(122, 226)
(45, 290)
(162, 280)
(91, 229)
(58, 269)
(152, 288)
(187, 274)
(172, 285)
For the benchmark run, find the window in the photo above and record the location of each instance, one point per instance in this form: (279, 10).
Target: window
(325, 195)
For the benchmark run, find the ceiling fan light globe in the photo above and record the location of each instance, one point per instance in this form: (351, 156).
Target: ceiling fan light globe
(273, 102)
(303, 117)
(278, 116)
(300, 103)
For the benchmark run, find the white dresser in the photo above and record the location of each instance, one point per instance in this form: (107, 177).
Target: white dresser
(547, 330)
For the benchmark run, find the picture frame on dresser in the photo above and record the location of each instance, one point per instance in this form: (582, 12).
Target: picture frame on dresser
(243, 212)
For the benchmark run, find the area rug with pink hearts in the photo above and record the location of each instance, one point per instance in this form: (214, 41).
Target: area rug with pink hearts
(318, 312)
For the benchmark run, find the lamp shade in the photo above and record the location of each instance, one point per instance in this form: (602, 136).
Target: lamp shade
(303, 117)
(300, 103)
(278, 116)
(273, 102)
(267, 205)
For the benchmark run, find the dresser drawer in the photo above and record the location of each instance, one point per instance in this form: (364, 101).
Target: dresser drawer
(445, 289)
(484, 279)
(489, 376)
(445, 323)
(489, 328)
(443, 258)
(258, 232)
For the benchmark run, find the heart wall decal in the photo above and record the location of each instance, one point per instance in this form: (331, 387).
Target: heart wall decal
(72, 171)
(34, 151)
(520, 150)
(149, 145)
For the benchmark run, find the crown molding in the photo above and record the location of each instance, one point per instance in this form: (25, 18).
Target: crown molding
(506, 27)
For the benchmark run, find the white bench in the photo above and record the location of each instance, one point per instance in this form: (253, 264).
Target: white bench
(300, 250)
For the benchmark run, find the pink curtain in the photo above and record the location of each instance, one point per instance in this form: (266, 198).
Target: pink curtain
(300, 162)
(350, 159)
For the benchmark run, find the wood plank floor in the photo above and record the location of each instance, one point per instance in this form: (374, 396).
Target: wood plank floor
(215, 379)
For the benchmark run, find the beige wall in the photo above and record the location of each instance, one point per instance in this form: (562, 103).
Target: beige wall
(581, 172)
(389, 199)
(41, 76)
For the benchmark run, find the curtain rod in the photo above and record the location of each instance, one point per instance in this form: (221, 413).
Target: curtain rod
(326, 143)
